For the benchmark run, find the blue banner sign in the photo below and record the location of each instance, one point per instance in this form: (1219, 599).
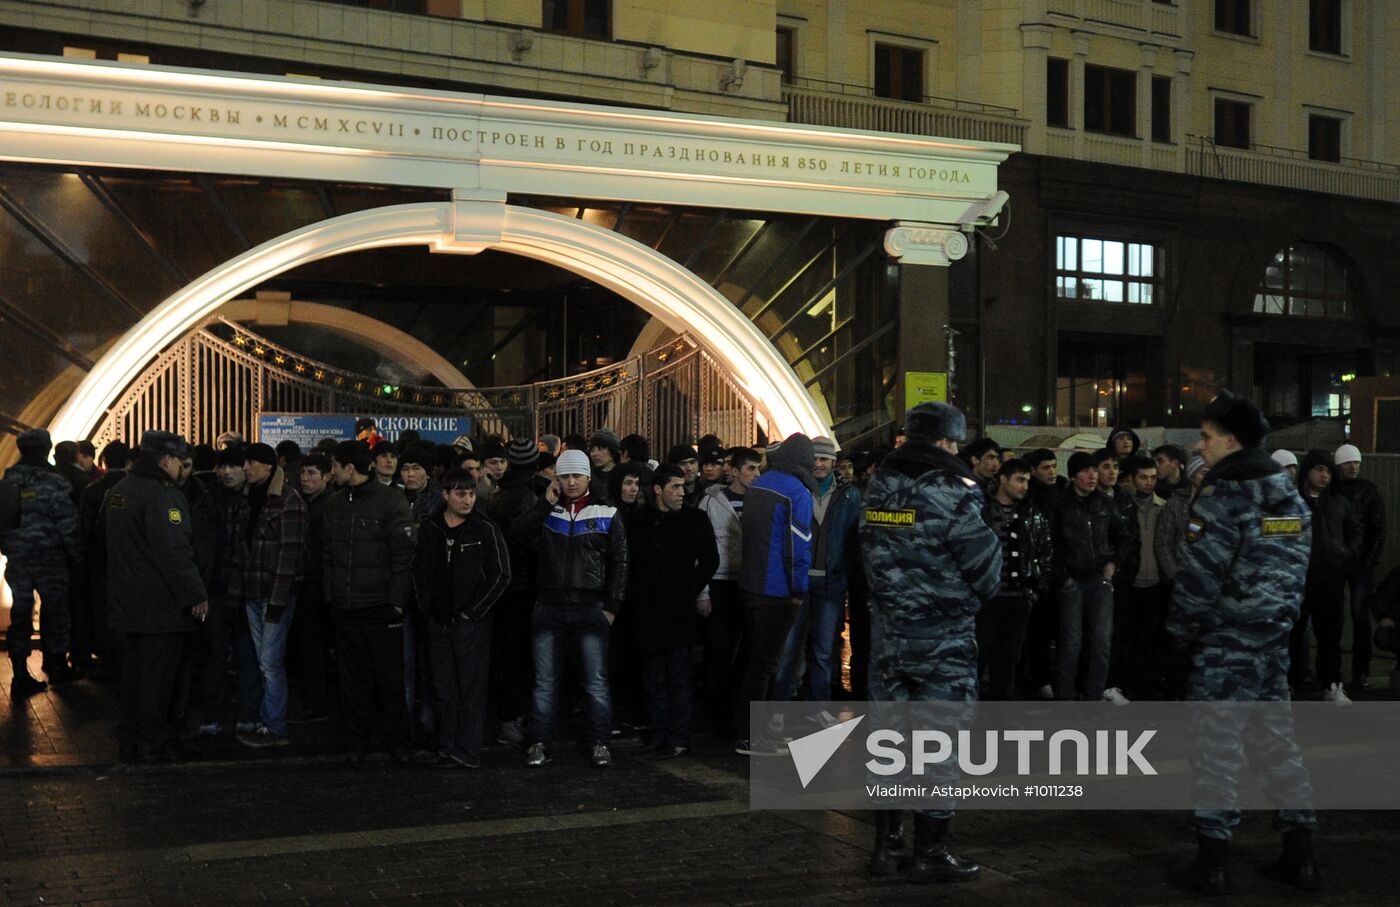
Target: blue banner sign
(308, 428)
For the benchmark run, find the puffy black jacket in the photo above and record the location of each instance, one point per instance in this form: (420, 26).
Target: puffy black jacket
(1336, 537)
(1365, 499)
(152, 580)
(465, 579)
(581, 551)
(1088, 535)
(367, 548)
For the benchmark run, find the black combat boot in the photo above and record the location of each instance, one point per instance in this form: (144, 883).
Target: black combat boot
(57, 670)
(932, 861)
(24, 684)
(1297, 866)
(1209, 873)
(891, 853)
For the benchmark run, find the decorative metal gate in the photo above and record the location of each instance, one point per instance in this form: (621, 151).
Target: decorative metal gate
(219, 377)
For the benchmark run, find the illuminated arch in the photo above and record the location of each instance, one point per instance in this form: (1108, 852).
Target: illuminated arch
(466, 225)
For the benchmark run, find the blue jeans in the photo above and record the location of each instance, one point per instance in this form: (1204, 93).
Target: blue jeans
(817, 621)
(270, 646)
(585, 628)
(1086, 622)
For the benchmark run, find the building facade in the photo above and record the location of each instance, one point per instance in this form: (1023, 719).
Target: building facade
(1204, 196)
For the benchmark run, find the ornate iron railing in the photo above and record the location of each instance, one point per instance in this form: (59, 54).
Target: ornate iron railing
(219, 377)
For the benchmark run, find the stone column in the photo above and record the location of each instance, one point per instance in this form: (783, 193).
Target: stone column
(1080, 41)
(1035, 44)
(1144, 100)
(1181, 95)
(924, 252)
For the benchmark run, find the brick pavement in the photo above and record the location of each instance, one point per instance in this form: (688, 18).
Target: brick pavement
(298, 826)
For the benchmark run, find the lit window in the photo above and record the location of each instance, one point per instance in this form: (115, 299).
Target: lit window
(1306, 279)
(1108, 270)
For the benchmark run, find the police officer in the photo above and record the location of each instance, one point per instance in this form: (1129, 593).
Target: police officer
(932, 562)
(41, 552)
(1239, 583)
(156, 596)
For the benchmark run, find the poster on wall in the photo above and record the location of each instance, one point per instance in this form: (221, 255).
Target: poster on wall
(306, 429)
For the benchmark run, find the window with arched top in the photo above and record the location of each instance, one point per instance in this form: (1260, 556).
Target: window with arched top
(1306, 279)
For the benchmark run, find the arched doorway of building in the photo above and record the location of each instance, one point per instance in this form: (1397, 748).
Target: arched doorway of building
(654, 282)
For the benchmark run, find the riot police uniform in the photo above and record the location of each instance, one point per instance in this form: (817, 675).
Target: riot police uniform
(40, 552)
(932, 562)
(1242, 568)
(155, 593)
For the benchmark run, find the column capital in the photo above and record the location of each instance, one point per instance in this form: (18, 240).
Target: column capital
(1149, 55)
(1080, 42)
(1184, 59)
(916, 243)
(1036, 36)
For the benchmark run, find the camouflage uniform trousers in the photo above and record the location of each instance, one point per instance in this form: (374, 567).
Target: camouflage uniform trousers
(50, 579)
(908, 669)
(1223, 735)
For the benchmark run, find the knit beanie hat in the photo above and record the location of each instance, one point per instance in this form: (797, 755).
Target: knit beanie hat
(1347, 453)
(522, 452)
(573, 463)
(1080, 460)
(260, 453)
(1283, 458)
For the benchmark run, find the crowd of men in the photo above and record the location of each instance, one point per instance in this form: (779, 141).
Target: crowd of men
(436, 597)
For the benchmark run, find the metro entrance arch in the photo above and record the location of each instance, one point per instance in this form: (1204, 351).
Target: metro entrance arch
(486, 151)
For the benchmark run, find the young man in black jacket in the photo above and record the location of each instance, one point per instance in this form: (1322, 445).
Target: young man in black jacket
(460, 569)
(367, 557)
(1336, 544)
(1089, 545)
(671, 557)
(1366, 500)
(1026, 562)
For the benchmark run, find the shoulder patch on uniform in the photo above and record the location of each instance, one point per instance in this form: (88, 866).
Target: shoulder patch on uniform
(27, 494)
(1280, 526)
(892, 518)
(1195, 528)
(176, 517)
(1206, 492)
(116, 500)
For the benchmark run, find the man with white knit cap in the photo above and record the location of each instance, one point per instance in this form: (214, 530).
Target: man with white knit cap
(580, 583)
(1288, 461)
(1370, 510)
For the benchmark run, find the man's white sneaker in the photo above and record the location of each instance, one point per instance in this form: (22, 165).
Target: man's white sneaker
(825, 719)
(1336, 694)
(1045, 692)
(1115, 696)
(601, 756)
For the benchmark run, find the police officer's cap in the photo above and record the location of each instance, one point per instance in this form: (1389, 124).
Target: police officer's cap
(1238, 416)
(935, 421)
(164, 443)
(36, 440)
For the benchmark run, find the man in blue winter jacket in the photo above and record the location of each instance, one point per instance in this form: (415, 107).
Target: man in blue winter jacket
(777, 531)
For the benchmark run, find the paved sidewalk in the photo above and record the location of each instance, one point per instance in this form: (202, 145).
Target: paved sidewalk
(299, 826)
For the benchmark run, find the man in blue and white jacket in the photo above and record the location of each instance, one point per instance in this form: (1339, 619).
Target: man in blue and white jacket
(580, 583)
(777, 532)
